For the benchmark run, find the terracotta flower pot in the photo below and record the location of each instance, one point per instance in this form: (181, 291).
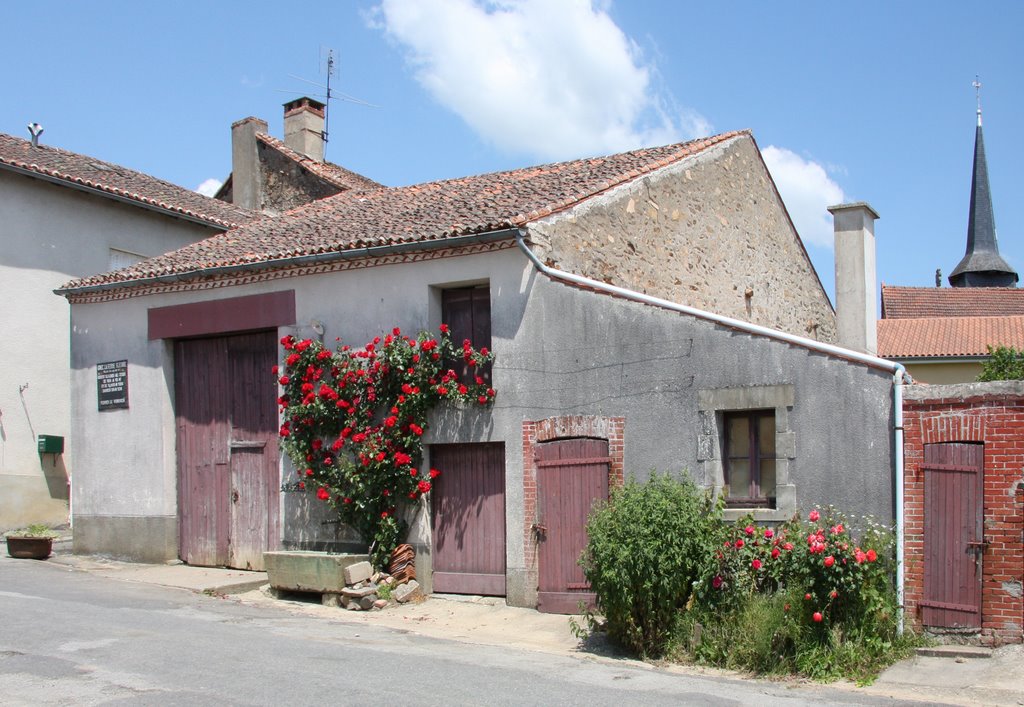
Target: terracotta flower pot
(29, 548)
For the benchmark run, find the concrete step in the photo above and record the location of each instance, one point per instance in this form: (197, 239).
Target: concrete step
(951, 651)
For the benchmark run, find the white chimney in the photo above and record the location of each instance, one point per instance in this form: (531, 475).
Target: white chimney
(856, 294)
(304, 127)
(246, 183)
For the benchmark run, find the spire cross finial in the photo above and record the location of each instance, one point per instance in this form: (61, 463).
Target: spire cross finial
(977, 90)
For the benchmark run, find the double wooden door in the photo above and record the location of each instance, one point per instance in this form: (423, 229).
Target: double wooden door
(228, 474)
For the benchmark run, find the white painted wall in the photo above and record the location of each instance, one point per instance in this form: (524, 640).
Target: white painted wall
(49, 235)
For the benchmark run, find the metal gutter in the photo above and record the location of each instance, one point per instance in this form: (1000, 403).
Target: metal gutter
(300, 260)
(71, 184)
(900, 375)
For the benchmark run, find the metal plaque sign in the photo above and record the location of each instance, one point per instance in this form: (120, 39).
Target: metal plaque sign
(112, 385)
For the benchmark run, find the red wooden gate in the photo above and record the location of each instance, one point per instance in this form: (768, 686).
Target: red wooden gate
(572, 475)
(953, 542)
(468, 515)
(228, 476)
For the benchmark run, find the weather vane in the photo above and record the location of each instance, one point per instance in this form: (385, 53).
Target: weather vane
(977, 90)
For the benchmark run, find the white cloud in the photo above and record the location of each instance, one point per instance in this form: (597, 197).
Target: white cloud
(550, 79)
(807, 191)
(209, 187)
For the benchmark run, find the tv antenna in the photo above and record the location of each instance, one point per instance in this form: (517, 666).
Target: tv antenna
(327, 64)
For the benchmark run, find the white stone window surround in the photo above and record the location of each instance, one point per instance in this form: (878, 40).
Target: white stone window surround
(712, 405)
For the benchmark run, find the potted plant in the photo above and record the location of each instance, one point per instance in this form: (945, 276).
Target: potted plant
(32, 543)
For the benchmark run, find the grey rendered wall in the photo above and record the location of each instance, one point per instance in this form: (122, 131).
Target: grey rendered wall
(50, 234)
(709, 231)
(561, 351)
(565, 351)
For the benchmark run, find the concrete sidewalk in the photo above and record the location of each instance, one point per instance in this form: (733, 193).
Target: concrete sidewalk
(946, 676)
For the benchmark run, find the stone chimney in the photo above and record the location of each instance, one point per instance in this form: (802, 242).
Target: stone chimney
(856, 294)
(304, 127)
(246, 182)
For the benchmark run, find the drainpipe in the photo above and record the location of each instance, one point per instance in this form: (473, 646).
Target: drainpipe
(899, 373)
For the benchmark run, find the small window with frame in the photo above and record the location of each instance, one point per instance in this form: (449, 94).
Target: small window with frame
(750, 458)
(467, 312)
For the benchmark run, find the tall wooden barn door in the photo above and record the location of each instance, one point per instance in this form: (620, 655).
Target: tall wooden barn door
(572, 475)
(228, 475)
(468, 518)
(953, 541)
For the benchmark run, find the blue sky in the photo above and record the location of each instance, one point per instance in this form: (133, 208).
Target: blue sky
(857, 101)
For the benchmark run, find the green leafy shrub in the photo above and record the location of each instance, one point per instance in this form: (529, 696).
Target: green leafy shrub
(647, 545)
(1003, 363)
(803, 598)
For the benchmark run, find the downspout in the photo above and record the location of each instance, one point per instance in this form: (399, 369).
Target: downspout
(900, 375)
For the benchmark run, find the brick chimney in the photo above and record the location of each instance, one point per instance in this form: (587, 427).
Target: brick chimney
(304, 127)
(856, 294)
(246, 183)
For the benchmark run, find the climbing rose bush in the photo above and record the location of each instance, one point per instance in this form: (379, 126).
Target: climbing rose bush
(353, 421)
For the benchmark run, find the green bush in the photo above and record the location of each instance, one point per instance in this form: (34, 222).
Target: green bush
(806, 598)
(647, 546)
(1003, 363)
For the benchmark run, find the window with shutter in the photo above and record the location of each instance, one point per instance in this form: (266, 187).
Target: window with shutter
(467, 312)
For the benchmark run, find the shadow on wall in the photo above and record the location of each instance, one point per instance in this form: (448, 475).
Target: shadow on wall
(311, 524)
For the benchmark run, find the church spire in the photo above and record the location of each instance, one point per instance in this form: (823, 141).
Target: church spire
(982, 266)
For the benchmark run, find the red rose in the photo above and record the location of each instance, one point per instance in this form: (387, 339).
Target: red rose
(423, 486)
(283, 380)
(834, 594)
(872, 555)
(444, 328)
(322, 494)
(817, 617)
(463, 390)
(739, 543)
(383, 514)
(717, 581)
(775, 553)
(749, 530)
(482, 400)
(434, 473)
(807, 596)
(756, 564)
(813, 516)
(829, 561)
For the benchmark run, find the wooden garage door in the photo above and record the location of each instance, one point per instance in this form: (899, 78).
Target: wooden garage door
(953, 547)
(228, 476)
(468, 518)
(572, 475)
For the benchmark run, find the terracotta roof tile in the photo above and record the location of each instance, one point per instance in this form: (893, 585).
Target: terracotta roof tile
(84, 171)
(919, 302)
(423, 212)
(335, 174)
(939, 337)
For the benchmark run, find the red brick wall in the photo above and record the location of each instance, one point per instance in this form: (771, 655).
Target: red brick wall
(996, 420)
(535, 431)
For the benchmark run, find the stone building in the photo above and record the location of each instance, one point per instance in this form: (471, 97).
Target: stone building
(655, 308)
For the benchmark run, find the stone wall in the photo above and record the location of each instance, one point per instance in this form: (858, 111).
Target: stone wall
(991, 414)
(709, 232)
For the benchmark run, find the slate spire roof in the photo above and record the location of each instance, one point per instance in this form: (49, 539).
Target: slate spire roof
(982, 266)
(425, 214)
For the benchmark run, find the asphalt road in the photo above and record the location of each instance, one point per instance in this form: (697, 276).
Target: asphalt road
(71, 638)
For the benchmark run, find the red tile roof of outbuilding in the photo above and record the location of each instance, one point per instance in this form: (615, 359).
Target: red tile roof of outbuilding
(948, 337)
(921, 302)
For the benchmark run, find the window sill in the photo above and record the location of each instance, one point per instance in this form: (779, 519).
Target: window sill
(759, 514)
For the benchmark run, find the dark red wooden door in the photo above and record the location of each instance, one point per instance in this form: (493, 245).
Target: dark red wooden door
(953, 547)
(572, 475)
(468, 518)
(228, 477)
